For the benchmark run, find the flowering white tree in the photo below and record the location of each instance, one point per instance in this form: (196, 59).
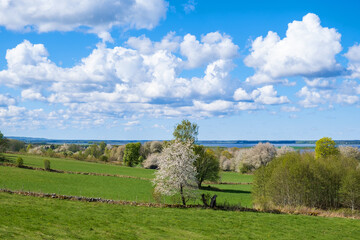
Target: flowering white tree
(177, 173)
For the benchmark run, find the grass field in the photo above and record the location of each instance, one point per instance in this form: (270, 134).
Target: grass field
(83, 166)
(24, 217)
(105, 187)
(236, 177)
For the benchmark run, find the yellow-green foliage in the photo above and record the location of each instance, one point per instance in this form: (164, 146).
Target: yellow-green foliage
(325, 147)
(296, 179)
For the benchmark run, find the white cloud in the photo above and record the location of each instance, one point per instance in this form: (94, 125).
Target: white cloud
(307, 50)
(313, 98)
(353, 55)
(144, 45)
(32, 94)
(11, 111)
(265, 95)
(6, 100)
(268, 95)
(132, 123)
(243, 106)
(190, 6)
(215, 106)
(212, 46)
(241, 95)
(118, 82)
(290, 109)
(215, 79)
(320, 83)
(88, 15)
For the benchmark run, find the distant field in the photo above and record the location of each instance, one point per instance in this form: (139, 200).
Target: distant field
(83, 166)
(236, 177)
(24, 217)
(105, 187)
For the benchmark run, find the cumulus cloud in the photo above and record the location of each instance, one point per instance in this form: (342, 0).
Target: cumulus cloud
(6, 100)
(32, 94)
(142, 77)
(307, 50)
(320, 83)
(88, 15)
(211, 47)
(353, 56)
(265, 95)
(312, 97)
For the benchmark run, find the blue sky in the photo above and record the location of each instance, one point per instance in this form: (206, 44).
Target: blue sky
(133, 69)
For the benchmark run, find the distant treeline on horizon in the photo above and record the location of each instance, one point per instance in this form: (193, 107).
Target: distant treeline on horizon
(201, 142)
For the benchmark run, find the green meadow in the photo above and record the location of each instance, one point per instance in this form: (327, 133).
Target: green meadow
(25, 217)
(117, 188)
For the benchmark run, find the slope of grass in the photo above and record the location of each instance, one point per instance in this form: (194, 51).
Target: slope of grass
(105, 187)
(236, 177)
(37, 218)
(76, 185)
(82, 166)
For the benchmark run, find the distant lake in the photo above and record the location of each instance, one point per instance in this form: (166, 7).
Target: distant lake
(248, 145)
(209, 143)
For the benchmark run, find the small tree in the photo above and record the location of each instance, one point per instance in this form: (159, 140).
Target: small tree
(47, 165)
(206, 164)
(325, 147)
(19, 162)
(132, 154)
(177, 173)
(186, 131)
(3, 142)
(350, 189)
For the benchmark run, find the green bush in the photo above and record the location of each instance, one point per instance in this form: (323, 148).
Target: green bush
(132, 154)
(325, 147)
(47, 165)
(296, 179)
(103, 158)
(19, 162)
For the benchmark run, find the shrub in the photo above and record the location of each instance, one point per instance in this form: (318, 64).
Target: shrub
(350, 152)
(350, 189)
(132, 154)
(103, 158)
(47, 165)
(206, 164)
(245, 168)
(296, 179)
(152, 161)
(257, 156)
(325, 147)
(19, 162)
(283, 150)
(117, 153)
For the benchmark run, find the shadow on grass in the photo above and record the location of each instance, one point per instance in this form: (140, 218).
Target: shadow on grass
(214, 189)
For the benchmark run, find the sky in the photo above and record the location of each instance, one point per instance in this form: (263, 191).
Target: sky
(133, 69)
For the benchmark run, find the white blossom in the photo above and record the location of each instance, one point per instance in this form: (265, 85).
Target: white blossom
(177, 171)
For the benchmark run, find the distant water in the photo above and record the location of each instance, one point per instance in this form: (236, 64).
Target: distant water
(248, 145)
(209, 143)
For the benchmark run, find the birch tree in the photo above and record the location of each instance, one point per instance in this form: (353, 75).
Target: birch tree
(177, 173)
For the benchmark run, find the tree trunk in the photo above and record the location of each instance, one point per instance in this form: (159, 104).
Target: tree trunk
(204, 200)
(182, 195)
(213, 201)
(199, 183)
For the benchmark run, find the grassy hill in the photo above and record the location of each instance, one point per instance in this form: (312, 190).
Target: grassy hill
(26, 217)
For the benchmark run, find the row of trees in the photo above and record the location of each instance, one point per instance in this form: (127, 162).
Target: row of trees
(328, 179)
